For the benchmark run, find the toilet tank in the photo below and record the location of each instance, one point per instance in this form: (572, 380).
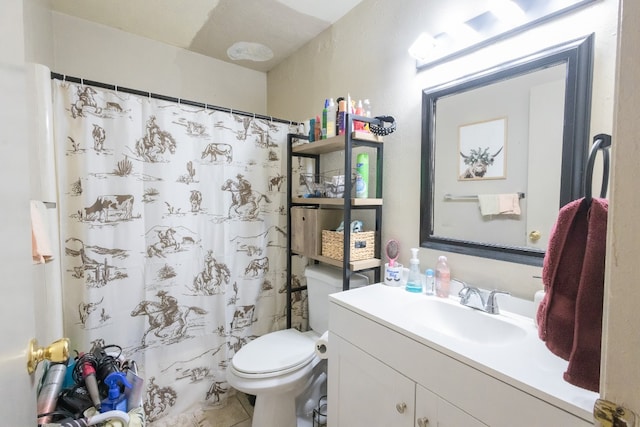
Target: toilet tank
(323, 280)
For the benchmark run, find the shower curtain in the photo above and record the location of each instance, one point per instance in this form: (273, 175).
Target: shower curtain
(173, 229)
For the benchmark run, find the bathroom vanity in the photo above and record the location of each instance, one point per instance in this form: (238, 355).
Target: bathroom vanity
(401, 359)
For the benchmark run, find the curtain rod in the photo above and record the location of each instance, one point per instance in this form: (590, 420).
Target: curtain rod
(62, 77)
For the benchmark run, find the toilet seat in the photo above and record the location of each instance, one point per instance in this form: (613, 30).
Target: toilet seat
(274, 354)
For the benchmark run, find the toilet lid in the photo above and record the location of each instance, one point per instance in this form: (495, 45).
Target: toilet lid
(274, 354)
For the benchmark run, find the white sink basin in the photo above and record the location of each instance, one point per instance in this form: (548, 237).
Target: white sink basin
(450, 318)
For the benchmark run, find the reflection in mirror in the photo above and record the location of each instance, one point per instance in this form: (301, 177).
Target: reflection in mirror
(502, 151)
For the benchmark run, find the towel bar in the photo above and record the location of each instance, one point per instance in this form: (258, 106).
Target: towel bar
(470, 197)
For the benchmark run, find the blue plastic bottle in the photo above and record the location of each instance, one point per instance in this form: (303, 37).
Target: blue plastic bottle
(115, 401)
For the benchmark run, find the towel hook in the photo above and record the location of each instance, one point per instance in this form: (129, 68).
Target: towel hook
(600, 142)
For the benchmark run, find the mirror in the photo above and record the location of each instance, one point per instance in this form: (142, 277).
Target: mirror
(516, 133)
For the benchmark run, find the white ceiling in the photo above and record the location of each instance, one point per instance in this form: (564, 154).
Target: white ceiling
(211, 27)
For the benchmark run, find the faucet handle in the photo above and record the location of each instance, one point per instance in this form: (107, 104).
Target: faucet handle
(492, 303)
(464, 292)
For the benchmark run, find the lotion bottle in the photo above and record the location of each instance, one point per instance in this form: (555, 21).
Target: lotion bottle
(443, 277)
(414, 282)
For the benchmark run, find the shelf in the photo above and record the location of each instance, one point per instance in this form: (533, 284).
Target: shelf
(335, 201)
(353, 265)
(332, 144)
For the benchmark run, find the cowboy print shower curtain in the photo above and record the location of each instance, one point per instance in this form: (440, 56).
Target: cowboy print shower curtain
(173, 225)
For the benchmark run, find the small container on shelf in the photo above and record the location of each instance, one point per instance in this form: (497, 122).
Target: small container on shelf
(362, 245)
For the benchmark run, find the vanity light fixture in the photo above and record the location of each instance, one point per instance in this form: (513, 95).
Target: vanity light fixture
(422, 47)
(463, 33)
(508, 12)
(503, 19)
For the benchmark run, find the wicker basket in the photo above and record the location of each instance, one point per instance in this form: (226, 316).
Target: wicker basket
(362, 245)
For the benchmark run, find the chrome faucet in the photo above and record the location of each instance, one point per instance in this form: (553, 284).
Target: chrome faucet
(479, 299)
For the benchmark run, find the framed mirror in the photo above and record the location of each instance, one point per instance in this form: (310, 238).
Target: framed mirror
(502, 151)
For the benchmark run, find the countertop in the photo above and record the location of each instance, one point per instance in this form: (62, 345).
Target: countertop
(526, 364)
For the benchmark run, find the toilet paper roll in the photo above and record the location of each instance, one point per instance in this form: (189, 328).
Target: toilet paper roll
(322, 346)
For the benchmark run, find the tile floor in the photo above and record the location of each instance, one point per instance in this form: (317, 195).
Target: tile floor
(236, 413)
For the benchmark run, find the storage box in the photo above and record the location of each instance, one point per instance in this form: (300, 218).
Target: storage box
(362, 245)
(306, 226)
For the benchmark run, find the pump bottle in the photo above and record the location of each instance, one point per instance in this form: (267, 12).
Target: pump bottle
(414, 283)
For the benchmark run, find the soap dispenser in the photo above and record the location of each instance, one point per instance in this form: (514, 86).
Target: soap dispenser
(414, 283)
(115, 401)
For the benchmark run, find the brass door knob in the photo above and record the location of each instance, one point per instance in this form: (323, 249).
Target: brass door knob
(57, 352)
(535, 235)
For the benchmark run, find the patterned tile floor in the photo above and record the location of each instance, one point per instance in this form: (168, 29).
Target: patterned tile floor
(236, 413)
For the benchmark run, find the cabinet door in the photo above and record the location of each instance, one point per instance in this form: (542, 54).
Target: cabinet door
(364, 392)
(432, 411)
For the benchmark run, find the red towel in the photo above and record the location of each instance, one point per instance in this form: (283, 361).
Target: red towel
(570, 314)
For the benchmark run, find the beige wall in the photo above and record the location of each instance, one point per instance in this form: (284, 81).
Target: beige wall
(96, 52)
(365, 54)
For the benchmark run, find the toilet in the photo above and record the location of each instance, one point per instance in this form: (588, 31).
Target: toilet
(281, 366)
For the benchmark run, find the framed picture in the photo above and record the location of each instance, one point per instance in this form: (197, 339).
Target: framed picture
(482, 148)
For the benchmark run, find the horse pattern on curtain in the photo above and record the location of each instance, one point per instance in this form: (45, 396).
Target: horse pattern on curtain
(173, 223)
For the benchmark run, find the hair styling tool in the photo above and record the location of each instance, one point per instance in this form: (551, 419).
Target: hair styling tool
(97, 419)
(85, 370)
(48, 395)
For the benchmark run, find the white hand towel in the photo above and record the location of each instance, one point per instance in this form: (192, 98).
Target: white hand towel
(509, 204)
(489, 204)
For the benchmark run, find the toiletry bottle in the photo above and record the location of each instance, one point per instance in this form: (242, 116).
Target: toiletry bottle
(359, 126)
(430, 286)
(414, 283)
(367, 113)
(325, 112)
(115, 400)
(342, 105)
(443, 277)
(362, 176)
(331, 119)
(312, 129)
(318, 129)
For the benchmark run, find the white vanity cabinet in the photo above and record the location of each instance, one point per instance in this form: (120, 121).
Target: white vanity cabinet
(384, 374)
(370, 393)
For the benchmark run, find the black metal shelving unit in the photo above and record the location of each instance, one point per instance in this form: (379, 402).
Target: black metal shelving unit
(348, 203)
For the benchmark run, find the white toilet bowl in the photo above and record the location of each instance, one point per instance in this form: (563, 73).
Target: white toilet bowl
(276, 378)
(279, 366)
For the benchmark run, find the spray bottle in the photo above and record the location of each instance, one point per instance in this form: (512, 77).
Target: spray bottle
(414, 283)
(115, 401)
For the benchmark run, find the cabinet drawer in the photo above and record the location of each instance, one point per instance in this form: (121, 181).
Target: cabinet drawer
(307, 225)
